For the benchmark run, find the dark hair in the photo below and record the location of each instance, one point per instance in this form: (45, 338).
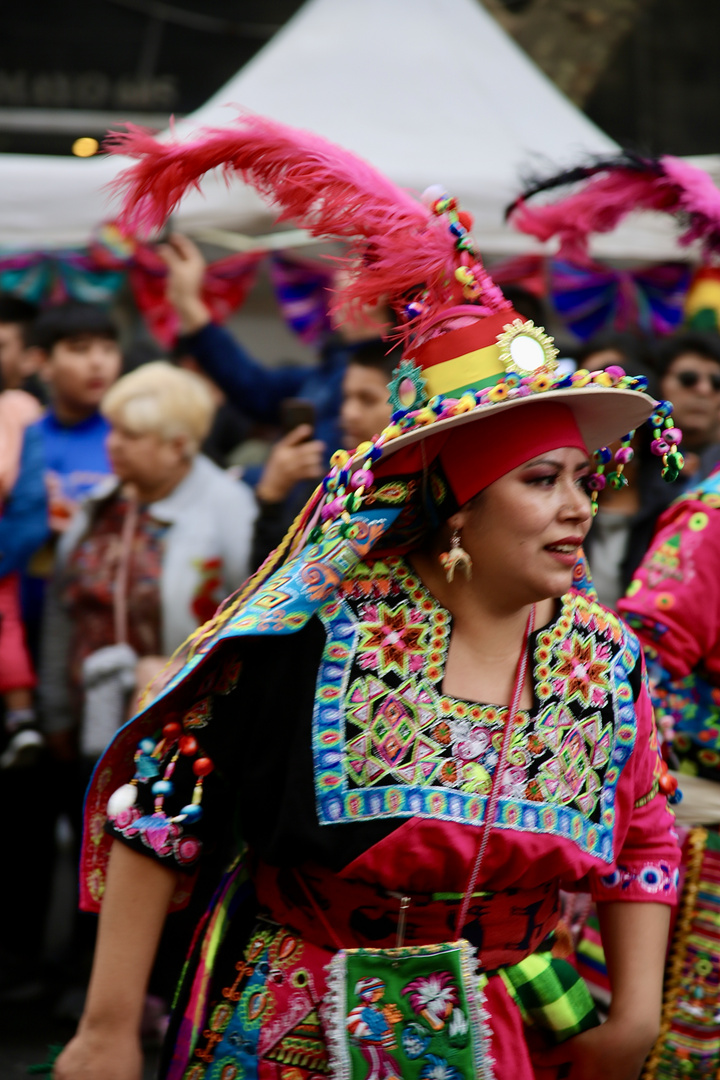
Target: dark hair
(705, 345)
(525, 303)
(378, 354)
(13, 309)
(633, 349)
(71, 320)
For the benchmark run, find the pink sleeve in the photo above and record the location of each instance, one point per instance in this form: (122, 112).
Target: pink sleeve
(673, 602)
(647, 851)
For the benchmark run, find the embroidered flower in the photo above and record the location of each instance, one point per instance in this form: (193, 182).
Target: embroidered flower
(415, 1040)
(433, 997)
(438, 1068)
(583, 670)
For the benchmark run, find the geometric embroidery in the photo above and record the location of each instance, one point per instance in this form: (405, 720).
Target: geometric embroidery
(579, 750)
(387, 741)
(393, 741)
(303, 1047)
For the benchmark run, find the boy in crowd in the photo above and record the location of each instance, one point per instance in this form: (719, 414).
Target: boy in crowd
(299, 458)
(80, 359)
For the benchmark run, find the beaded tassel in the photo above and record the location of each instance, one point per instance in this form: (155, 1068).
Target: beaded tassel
(598, 480)
(666, 439)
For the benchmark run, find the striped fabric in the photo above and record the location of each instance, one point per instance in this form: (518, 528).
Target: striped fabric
(591, 960)
(689, 1044)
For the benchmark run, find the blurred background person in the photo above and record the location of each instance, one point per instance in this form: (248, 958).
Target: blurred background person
(297, 462)
(688, 366)
(146, 559)
(80, 359)
(165, 540)
(257, 391)
(619, 348)
(687, 373)
(23, 527)
(18, 360)
(230, 428)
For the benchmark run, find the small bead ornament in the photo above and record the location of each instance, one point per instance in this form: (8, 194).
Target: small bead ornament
(147, 759)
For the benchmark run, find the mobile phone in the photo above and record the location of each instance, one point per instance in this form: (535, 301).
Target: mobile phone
(296, 411)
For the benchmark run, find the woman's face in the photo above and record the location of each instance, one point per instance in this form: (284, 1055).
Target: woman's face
(523, 532)
(145, 460)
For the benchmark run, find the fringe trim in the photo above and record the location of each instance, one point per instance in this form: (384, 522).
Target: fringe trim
(697, 839)
(333, 1012)
(480, 1020)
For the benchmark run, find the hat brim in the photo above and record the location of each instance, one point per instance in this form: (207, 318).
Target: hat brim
(603, 414)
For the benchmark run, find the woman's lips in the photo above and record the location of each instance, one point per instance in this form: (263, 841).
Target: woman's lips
(565, 551)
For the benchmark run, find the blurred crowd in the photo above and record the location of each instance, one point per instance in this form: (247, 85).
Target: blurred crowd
(133, 501)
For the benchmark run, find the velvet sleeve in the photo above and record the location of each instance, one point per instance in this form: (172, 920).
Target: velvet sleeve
(647, 855)
(185, 782)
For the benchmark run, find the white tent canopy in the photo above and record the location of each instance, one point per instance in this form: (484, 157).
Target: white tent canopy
(429, 91)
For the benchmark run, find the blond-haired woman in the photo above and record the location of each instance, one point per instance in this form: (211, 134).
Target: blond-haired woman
(149, 555)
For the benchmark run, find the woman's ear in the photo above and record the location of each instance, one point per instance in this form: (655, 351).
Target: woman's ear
(458, 521)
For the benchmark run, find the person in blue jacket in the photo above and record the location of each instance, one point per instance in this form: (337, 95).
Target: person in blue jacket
(80, 360)
(257, 390)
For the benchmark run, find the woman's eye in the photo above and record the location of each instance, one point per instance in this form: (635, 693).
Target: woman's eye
(543, 481)
(584, 483)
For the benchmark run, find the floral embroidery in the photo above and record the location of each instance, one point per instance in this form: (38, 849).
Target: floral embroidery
(388, 742)
(583, 670)
(651, 877)
(162, 836)
(392, 639)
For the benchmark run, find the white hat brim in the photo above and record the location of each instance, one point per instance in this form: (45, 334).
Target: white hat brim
(603, 414)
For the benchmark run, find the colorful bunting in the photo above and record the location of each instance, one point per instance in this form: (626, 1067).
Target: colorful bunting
(593, 298)
(588, 299)
(302, 292)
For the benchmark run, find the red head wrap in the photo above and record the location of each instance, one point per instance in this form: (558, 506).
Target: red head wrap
(476, 454)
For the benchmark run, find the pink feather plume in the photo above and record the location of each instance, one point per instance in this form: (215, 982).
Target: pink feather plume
(669, 185)
(396, 243)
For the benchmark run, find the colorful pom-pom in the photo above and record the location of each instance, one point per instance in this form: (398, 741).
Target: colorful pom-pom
(362, 478)
(121, 800)
(203, 766)
(188, 745)
(431, 195)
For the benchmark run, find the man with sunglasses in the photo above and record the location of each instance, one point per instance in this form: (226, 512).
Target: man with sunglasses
(689, 370)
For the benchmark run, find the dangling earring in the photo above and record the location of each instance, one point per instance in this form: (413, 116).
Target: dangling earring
(456, 556)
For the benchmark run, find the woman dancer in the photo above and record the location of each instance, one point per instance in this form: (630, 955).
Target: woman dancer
(416, 720)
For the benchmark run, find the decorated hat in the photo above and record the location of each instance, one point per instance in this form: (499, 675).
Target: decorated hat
(468, 358)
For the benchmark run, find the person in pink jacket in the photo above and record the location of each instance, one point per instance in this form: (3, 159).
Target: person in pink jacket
(23, 503)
